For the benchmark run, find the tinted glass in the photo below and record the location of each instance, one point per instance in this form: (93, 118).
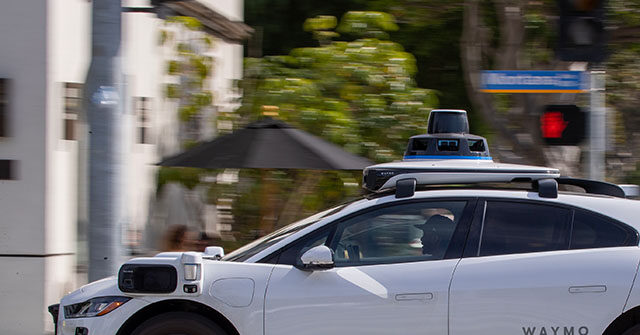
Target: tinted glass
(292, 253)
(400, 233)
(594, 231)
(448, 145)
(253, 248)
(448, 122)
(511, 228)
(476, 145)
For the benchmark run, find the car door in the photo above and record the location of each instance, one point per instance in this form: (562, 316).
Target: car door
(393, 266)
(535, 268)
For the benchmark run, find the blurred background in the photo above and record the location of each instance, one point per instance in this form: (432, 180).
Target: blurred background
(94, 94)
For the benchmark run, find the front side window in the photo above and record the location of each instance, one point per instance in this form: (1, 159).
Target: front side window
(512, 228)
(253, 248)
(399, 233)
(408, 232)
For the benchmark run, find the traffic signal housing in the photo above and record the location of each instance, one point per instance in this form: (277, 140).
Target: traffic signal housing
(582, 35)
(562, 125)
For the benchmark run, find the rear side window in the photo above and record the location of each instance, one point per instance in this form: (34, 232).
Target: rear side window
(512, 227)
(594, 231)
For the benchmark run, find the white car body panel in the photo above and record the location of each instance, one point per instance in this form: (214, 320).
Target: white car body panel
(369, 299)
(634, 296)
(507, 294)
(247, 318)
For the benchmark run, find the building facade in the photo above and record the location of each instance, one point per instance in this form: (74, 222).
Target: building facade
(44, 56)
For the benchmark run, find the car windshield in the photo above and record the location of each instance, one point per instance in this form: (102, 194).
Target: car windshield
(243, 253)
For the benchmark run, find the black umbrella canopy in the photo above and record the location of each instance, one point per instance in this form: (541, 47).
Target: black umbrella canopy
(268, 144)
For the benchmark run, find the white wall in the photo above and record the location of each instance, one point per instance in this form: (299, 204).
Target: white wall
(23, 61)
(68, 54)
(232, 9)
(228, 68)
(228, 56)
(22, 293)
(22, 201)
(142, 63)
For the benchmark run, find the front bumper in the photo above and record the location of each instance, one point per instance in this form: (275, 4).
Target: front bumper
(101, 325)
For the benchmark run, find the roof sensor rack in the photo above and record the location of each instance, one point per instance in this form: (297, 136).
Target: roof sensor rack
(594, 186)
(448, 155)
(405, 188)
(447, 137)
(546, 187)
(384, 176)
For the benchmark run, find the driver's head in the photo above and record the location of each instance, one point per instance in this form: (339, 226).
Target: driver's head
(431, 231)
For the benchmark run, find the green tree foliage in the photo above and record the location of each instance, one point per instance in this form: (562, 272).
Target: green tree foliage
(188, 177)
(278, 22)
(190, 66)
(359, 94)
(429, 29)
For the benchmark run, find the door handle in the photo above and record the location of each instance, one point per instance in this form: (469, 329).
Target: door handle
(414, 296)
(588, 289)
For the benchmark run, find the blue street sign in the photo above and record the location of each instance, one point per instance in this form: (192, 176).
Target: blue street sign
(534, 82)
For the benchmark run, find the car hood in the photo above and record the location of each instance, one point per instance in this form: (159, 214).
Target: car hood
(101, 288)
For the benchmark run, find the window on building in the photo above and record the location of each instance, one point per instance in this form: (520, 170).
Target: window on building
(4, 106)
(142, 106)
(512, 228)
(7, 169)
(72, 105)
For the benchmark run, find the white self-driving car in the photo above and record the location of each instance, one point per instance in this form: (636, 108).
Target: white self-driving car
(442, 245)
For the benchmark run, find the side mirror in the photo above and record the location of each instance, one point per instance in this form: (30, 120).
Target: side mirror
(213, 253)
(317, 258)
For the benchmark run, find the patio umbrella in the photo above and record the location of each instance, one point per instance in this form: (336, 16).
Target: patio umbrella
(268, 144)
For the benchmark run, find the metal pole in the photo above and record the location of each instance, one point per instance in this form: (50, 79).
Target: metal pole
(597, 125)
(104, 109)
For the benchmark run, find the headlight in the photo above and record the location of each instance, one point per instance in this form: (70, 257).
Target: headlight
(94, 307)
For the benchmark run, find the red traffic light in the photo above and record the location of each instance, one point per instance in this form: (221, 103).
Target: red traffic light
(552, 124)
(562, 125)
